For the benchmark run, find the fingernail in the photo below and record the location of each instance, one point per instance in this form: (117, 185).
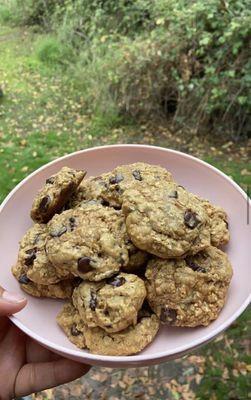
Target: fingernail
(12, 297)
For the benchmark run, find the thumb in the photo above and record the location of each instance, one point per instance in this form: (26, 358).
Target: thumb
(10, 303)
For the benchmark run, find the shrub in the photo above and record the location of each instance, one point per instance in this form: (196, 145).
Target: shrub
(51, 51)
(182, 59)
(191, 64)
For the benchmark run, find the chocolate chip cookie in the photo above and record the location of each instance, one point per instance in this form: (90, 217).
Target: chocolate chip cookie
(129, 341)
(33, 258)
(56, 192)
(218, 223)
(60, 290)
(164, 219)
(72, 324)
(108, 188)
(112, 304)
(191, 291)
(89, 242)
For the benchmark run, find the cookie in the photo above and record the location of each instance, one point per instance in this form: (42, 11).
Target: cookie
(108, 188)
(89, 242)
(123, 343)
(54, 195)
(164, 219)
(60, 290)
(218, 223)
(112, 304)
(71, 323)
(189, 292)
(33, 258)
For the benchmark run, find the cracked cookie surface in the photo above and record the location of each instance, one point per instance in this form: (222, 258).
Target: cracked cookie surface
(33, 258)
(189, 292)
(165, 220)
(55, 194)
(112, 304)
(129, 341)
(89, 242)
(72, 324)
(109, 188)
(218, 222)
(59, 290)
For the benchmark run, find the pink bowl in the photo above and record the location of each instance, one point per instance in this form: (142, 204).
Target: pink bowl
(38, 318)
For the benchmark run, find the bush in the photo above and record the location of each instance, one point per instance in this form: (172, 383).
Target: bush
(51, 51)
(5, 15)
(182, 59)
(190, 62)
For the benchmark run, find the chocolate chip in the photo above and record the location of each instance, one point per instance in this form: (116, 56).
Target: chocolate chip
(116, 281)
(116, 179)
(72, 221)
(194, 266)
(117, 207)
(31, 255)
(76, 281)
(93, 301)
(119, 190)
(44, 203)
(105, 203)
(168, 315)
(191, 219)
(84, 264)
(74, 330)
(137, 175)
(173, 195)
(23, 279)
(50, 180)
(58, 232)
(145, 311)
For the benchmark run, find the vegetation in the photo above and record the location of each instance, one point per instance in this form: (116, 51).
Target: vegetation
(182, 60)
(74, 74)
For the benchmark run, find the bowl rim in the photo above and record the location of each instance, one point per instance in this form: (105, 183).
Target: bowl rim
(138, 357)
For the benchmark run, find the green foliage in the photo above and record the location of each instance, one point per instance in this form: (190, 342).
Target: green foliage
(51, 51)
(187, 61)
(10, 12)
(5, 15)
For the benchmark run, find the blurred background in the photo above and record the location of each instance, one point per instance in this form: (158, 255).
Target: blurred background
(172, 73)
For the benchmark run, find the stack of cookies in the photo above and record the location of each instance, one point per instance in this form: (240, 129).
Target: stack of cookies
(131, 249)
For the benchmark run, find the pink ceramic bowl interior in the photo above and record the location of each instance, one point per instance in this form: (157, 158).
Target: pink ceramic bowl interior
(38, 319)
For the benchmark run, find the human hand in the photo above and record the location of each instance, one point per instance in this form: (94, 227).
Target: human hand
(25, 366)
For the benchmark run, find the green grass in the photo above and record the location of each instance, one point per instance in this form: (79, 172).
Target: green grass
(43, 115)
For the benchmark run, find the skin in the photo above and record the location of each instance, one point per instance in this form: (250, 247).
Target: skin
(25, 366)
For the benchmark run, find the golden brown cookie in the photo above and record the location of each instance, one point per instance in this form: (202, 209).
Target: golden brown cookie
(165, 220)
(89, 242)
(33, 258)
(129, 341)
(60, 290)
(108, 188)
(189, 292)
(112, 304)
(71, 323)
(56, 192)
